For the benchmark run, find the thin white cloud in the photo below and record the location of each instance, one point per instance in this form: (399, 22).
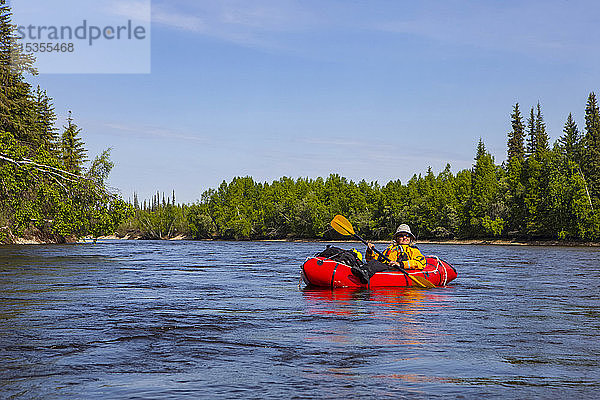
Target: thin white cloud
(366, 158)
(516, 27)
(154, 131)
(383, 152)
(247, 23)
(138, 10)
(177, 20)
(334, 142)
(261, 15)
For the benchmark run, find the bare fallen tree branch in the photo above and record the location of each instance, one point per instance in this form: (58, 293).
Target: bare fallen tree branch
(56, 173)
(26, 161)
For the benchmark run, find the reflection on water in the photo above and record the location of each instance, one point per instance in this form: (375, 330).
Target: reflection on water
(172, 319)
(385, 302)
(405, 307)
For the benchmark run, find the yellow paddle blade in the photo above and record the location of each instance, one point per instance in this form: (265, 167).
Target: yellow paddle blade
(342, 225)
(421, 281)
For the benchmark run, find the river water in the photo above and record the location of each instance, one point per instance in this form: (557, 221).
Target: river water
(171, 320)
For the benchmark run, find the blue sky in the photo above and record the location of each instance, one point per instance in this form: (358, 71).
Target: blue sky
(373, 90)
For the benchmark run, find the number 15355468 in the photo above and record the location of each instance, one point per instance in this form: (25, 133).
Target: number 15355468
(36, 47)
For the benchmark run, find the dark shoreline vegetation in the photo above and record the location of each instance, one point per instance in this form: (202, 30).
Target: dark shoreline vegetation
(46, 193)
(50, 193)
(539, 195)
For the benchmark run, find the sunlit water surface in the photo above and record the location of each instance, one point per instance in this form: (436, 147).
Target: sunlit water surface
(139, 319)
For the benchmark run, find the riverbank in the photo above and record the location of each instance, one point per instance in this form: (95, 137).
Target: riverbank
(33, 236)
(493, 242)
(504, 242)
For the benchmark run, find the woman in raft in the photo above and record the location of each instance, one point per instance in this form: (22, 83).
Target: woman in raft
(402, 253)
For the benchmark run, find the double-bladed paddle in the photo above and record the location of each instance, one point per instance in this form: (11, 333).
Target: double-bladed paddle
(343, 226)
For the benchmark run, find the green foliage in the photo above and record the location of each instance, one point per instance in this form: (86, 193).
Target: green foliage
(162, 220)
(492, 227)
(540, 193)
(484, 191)
(72, 150)
(200, 223)
(541, 136)
(44, 122)
(570, 144)
(16, 108)
(532, 196)
(513, 190)
(45, 190)
(516, 137)
(591, 166)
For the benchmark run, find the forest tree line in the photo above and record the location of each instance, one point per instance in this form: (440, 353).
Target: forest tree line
(539, 192)
(49, 190)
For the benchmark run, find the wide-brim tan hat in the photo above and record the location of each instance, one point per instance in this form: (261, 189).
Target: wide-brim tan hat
(403, 228)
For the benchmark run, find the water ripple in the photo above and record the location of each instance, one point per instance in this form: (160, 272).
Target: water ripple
(227, 319)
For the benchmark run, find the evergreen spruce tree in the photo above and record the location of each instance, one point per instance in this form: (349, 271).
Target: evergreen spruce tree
(570, 144)
(531, 134)
(16, 112)
(591, 166)
(484, 189)
(73, 153)
(447, 220)
(512, 184)
(44, 124)
(516, 137)
(530, 178)
(541, 145)
(549, 172)
(536, 175)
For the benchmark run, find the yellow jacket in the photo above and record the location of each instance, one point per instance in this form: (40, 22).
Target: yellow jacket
(413, 258)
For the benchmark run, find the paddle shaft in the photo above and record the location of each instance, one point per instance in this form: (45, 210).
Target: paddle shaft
(381, 254)
(374, 249)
